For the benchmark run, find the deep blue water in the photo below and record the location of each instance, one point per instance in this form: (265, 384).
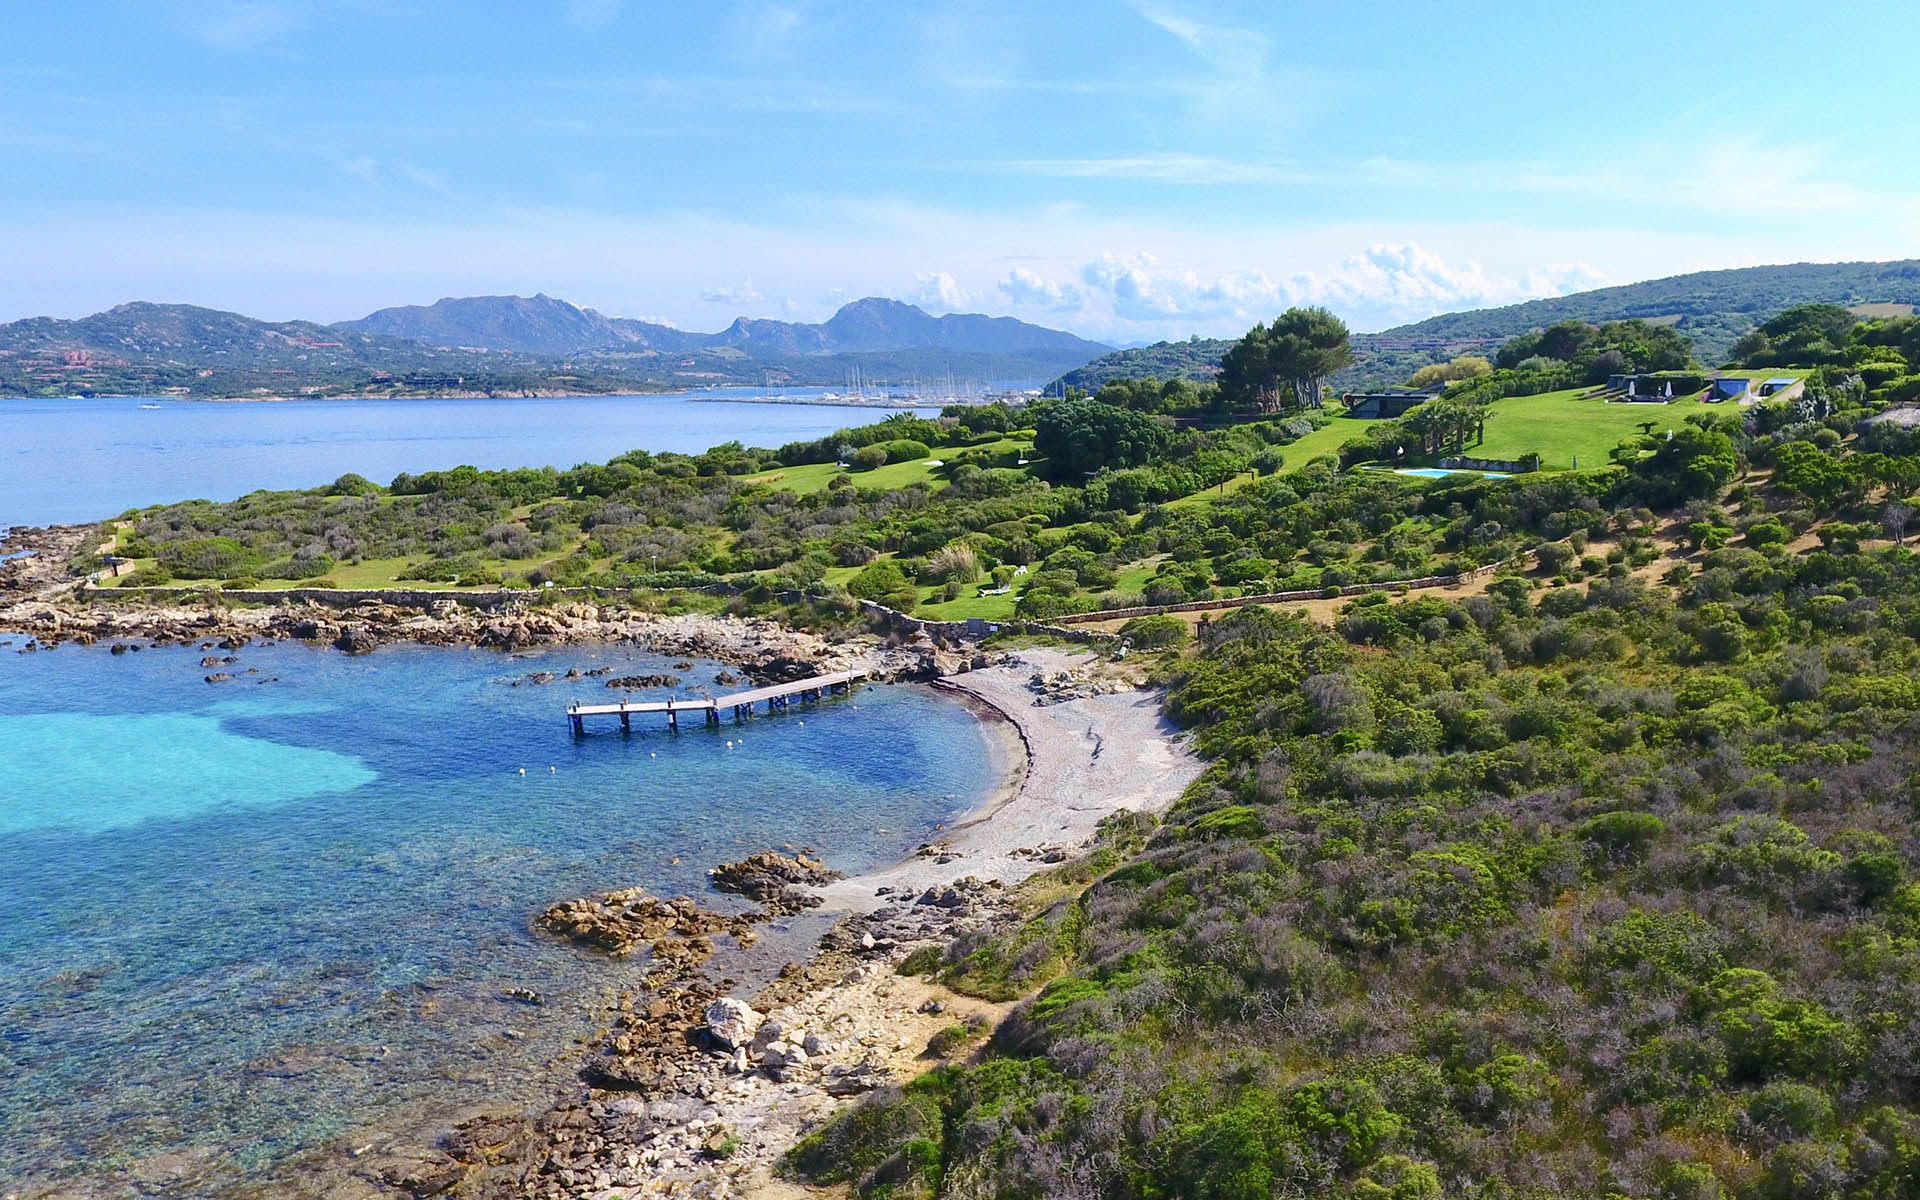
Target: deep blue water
(240, 921)
(77, 460)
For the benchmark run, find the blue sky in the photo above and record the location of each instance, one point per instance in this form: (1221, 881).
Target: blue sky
(1128, 170)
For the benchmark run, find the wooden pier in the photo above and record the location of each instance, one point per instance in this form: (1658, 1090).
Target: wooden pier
(776, 696)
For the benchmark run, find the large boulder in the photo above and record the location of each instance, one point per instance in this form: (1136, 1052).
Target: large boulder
(356, 639)
(732, 1022)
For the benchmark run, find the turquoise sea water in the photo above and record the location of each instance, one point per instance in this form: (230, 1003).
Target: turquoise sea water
(246, 920)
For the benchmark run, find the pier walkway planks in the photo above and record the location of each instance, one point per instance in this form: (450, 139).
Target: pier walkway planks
(774, 696)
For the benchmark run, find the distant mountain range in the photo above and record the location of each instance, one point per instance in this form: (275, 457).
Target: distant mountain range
(507, 345)
(545, 326)
(1713, 308)
(514, 345)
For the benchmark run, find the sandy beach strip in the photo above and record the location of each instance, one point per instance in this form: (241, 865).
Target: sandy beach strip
(1067, 767)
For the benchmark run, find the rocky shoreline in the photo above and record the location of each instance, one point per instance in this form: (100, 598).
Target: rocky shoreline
(691, 1087)
(762, 650)
(696, 1089)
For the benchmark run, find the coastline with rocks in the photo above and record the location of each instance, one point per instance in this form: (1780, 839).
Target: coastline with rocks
(696, 1083)
(699, 1085)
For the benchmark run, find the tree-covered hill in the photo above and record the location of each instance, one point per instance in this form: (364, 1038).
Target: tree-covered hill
(1712, 308)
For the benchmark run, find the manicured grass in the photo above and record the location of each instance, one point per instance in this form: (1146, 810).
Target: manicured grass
(1562, 426)
(1323, 441)
(992, 608)
(1565, 426)
(814, 476)
(1206, 495)
(1134, 576)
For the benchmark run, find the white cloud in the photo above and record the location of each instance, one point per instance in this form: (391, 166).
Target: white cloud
(1383, 285)
(940, 290)
(1030, 289)
(1408, 281)
(1238, 53)
(592, 14)
(734, 293)
(1140, 288)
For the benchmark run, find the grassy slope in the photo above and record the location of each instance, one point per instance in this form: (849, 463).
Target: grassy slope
(815, 476)
(1322, 441)
(1560, 425)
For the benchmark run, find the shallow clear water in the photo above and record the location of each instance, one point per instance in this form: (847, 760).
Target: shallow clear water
(242, 920)
(76, 460)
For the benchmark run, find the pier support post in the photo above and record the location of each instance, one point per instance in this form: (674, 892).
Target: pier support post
(579, 727)
(626, 722)
(673, 718)
(713, 715)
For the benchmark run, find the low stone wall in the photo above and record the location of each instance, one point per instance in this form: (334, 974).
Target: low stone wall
(329, 597)
(1512, 466)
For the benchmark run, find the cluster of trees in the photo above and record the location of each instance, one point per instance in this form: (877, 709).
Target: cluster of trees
(1466, 366)
(1576, 352)
(1286, 362)
(1805, 335)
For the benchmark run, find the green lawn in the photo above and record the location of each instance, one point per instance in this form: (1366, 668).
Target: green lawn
(993, 608)
(1564, 427)
(1134, 577)
(1207, 495)
(815, 476)
(1322, 441)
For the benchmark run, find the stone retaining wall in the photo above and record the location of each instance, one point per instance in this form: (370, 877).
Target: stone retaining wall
(330, 597)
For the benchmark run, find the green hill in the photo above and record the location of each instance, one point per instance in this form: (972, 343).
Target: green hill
(1713, 308)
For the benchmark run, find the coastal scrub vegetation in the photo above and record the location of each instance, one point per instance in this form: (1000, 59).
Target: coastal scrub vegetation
(1598, 883)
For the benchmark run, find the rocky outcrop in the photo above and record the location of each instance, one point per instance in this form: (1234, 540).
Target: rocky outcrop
(1058, 687)
(356, 639)
(775, 880)
(621, 921)
(638, 682)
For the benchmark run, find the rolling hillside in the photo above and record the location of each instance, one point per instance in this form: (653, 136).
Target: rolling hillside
(1713, 308)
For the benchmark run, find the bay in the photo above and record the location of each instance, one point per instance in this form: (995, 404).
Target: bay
(247, 922)
(74, 460)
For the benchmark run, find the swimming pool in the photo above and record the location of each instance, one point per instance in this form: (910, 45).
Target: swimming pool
(1437, 473)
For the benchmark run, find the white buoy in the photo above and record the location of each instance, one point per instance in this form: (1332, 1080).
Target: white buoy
(553, 770)
(651, 754)
(523, 770)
